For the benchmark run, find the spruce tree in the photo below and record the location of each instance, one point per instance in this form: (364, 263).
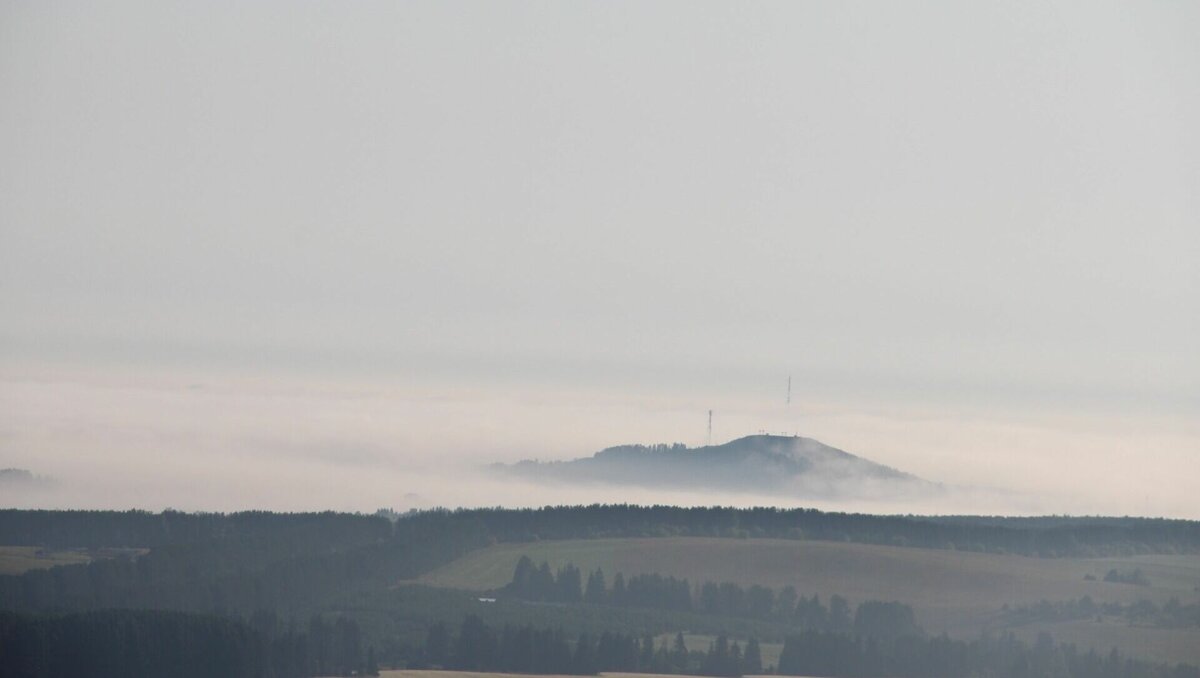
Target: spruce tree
(618, 590)
(522, 578)
(752, 660)
(679, 654)
(597, 592)
(646, 656)
(543, 583)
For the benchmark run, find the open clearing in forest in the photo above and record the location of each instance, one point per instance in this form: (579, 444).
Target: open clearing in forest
(21, 559)
(956, 592)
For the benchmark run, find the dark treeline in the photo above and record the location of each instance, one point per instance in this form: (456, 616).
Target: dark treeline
(144, 643)
(835, 655)
(566, 586)
(142, 529)
(1172, 614)
(1075, 537)
(414, 608)
(1048, 537)
(1046, 521)
(639, 450)
(525, 649)
(295, 566)
(726, 599)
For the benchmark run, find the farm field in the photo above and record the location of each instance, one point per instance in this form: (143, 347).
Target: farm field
(21, 559)
(934, 580)
(959, 593)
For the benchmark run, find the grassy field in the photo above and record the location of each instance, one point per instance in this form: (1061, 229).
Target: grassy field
(20, 559)
(955, 592)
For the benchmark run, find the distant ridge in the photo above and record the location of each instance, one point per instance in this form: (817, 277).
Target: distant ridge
(21, 478)
(788, 465)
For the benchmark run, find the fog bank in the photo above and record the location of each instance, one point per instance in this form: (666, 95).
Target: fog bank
(229, 443)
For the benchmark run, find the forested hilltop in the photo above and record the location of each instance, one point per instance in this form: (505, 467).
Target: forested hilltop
(791, 466)
(283, 580)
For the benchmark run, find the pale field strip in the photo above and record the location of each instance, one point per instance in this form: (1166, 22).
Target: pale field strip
(927, 578)
(21, 559)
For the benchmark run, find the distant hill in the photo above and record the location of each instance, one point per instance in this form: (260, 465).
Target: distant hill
(787, 465)
(15, 475)
(19, 478)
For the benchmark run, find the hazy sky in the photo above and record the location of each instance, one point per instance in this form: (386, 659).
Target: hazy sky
(336, 243)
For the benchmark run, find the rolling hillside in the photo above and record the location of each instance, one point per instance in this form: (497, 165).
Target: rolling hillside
(956, 592)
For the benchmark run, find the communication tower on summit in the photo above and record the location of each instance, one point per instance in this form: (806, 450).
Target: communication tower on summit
(710, 428)
(788, 403)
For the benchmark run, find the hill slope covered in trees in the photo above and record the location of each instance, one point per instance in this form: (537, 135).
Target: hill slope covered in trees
(786, 465)
(300, 565)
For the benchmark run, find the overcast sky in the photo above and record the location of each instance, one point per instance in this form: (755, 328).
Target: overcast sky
(588, 223)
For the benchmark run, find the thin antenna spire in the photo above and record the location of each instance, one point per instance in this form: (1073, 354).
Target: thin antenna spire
(710, 428)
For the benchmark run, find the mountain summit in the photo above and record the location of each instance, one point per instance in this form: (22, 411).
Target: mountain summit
(787, 465)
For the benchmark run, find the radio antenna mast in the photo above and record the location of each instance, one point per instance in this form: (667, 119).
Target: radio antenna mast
(710, 428)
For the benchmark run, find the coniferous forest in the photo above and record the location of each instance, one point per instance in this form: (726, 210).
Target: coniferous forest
(120, 643)
(279, 595)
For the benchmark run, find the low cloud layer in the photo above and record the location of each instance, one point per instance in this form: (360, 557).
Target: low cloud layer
(343, 255)
(228, 443)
